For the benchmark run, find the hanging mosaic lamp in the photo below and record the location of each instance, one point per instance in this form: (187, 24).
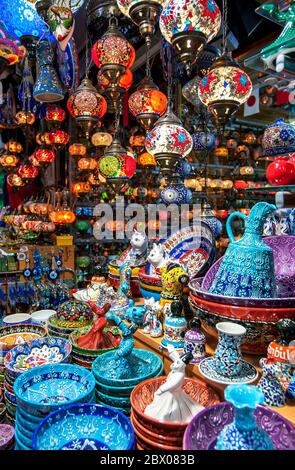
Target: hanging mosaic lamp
(43, 138)
(147, 103)
(168, 142)
(47, 88)
(44, 156)
(224, 89)
(145, 159)
(86, 106)
(15, 181)
(144, 13)
(113, 54)
(86, 164)
(279, 138)
(203, 139)
(80, 188)
(27, 172)
(125, 82)
(137, 140)
(8, 161)
(101, 139)
(77, 150)
(188, 25)
(55, 115)
(25, 118)
(249, 138)
(59, 138)
(14, 146)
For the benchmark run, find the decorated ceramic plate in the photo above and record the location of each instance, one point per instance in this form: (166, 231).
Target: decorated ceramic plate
(84, 427)
(208, 369)
(41, 351)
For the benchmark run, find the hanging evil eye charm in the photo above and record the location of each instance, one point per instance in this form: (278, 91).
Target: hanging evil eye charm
(53, 275)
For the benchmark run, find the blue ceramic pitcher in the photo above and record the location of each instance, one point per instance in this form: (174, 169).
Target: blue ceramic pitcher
(247, 268)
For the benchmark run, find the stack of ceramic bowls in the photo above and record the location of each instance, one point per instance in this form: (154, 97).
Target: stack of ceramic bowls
(152, 434)
(6, 437)
(60, 331)
(84, 427)
(2, 412)
(45, 389)
(10, 336)
(29, 355)
(114, 390)
(85, 357)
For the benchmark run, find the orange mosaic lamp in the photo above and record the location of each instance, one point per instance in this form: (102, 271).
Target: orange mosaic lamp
(77, 150)
(8, 161)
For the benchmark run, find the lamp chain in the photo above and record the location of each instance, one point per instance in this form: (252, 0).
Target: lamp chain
(170, 77)
(224, 26)
(148, 65)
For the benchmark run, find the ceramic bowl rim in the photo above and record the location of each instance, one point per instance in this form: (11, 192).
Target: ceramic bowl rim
(24, 317)
(230, 328)
(85, 405)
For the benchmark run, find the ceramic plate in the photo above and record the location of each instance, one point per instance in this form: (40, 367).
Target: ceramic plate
(247, 375)
(81, 427)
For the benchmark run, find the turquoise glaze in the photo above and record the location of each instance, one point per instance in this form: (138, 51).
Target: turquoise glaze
(247, 268)
(243, 433)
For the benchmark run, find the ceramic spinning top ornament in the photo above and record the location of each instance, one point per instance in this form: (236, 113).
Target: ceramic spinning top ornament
(247, 268)
(171, 403)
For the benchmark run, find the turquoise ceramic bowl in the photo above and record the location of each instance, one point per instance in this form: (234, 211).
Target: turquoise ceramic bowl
(121, 402)
(24, 443)
(26, 433)
(117, 391)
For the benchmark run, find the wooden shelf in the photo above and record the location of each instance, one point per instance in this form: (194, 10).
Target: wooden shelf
(144, 341)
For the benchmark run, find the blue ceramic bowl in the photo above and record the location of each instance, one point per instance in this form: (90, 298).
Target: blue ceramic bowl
(142, 364)
(88, 426)
(23, 443)
(26, 423)
(26, 434)
(46, 388)
(35, 353)
(17, 319)
(114, 401)
(117, 391)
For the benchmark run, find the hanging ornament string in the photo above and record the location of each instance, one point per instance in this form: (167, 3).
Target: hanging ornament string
(170, 77)
(224, 26)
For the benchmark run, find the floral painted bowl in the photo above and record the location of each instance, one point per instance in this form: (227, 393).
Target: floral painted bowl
(205, 427)
(150, 286)
(46, 388)
(114, 401)
(55, 330)
(40, 351)
(143, 395)
(154, 437)
(84, 427)
(11, 336)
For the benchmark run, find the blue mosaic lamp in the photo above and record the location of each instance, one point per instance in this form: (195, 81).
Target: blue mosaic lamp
(47, 88)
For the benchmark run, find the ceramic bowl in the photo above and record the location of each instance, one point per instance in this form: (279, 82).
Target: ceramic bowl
(143, 395)
(25, 444)
(11, 336)
(93, 353)
(6, 436)
(165, 440)
(25, 434)
(117, 391)
(114, 278)
(150, 286)
(143, 364)
(85, 427)
(149, 444)
(16, 319)
(38, 352)
(49, 387)
(41, 316)
(203, 430)
(2, 412)
(121, 402)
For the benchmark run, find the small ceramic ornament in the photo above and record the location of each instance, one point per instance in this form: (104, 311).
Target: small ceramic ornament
(175, 326)
(158, 259)
(269, 383)
(195, 341)
(243, 433)
(171, 403)
(98, 292)
(174, 279)
(62, 24)
(151, 322)
(136, 254)
(177, 194)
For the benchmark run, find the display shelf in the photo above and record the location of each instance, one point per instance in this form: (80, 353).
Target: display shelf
(144, 341)
(288, 188)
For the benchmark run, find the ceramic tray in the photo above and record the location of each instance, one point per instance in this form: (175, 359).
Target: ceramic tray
(36, 353)
(49, 387)
(203, 430)
(84, 427)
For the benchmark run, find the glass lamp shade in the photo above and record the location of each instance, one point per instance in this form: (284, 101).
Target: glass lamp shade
(231, 143)
(34, 161)
(168, 141)
(249, 138)
(86, 105)
(137, 140)
(14, 146)
(116, 163)
(96, 180)
(81, 187)
(44, 156)
(55, 114)
(27, 172)
(146, 159)
(113, 54)
(8, 161)
(242, 151)
(25, 118)
(15, 181)
(125, 81)
(101, 139)
(224, 89)
(147, 103)
(188, 25)
(227, 184)
(43, 138)
(87, 164)
(246, 170)
(279, 138)
(47, 88)
(203, 140)
(240, 184)
(62, 217)
(221, 152)
(59, 137)
(77, 150)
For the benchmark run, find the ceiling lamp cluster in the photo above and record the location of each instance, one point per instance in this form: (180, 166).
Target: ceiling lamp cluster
(188, 25)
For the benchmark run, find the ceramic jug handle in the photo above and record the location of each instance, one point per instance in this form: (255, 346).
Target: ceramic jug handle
(228, 224)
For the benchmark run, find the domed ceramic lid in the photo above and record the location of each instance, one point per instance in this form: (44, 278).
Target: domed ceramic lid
(279, 138)
(74, 311)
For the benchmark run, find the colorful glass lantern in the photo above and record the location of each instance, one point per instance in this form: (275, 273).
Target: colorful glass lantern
(144, 13)
(225, 87)
(8, 161)
(221, 152)
(87, 106)
(62, 217)
(55, 115)
(147, 103)
(34, 161)
(125, 82)
(87, 164)
(242, 151)
(231, 143)
(47, 88)
(81, 188)
(281, 172)
(77, 150)
(249, 138)
(96, 180)
(188, 25)
(246, 170)
(27, 172)
(203, 140)
(146, 160)
(168, 141)
(240, 184)
(44, 156)
(59, 138)
(25, 118)
(137, 140)
(227, 184)
(113, 54)
(116, 163)
(14, 146)
(43, 138)
(279, 138)
(15, 181)
(101, 139)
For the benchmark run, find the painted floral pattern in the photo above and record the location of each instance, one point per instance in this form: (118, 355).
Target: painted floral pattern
(169, 138)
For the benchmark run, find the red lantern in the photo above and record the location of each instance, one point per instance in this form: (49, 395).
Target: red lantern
(129, 167)
(59, 137)
(87, 164)
(80, 188)
(62, 217)
(77, 150)
(44, 156)
(27, 172)
(240, 184)
(43, 138)
(281, 172)
(55, 114)
(125, 82)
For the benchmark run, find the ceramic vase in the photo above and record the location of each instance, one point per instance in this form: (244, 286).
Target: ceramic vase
(247, 268)
(195, 341)
(228, 356)
(270, 385)
(243, 433)
(174, 331)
